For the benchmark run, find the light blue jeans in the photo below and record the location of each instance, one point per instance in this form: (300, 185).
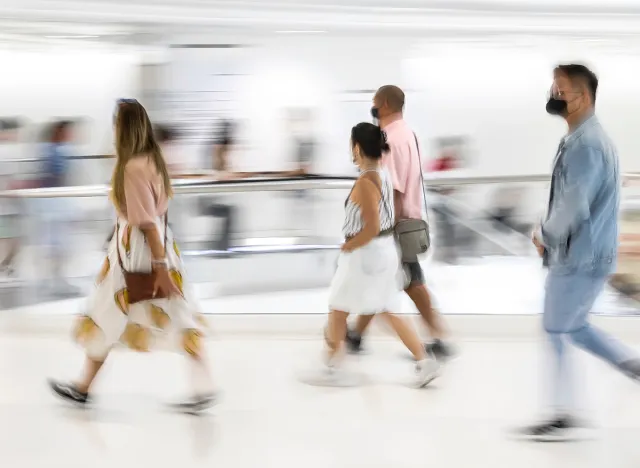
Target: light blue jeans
(567, 303)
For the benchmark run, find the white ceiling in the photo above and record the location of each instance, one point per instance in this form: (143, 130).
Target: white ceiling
(126, 21)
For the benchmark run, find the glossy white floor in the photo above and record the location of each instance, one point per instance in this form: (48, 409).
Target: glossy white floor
(266, 418)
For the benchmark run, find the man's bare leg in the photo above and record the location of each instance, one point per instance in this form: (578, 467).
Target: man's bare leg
(420, 296)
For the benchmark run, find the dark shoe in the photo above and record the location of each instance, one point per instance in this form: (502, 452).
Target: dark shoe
(560, 429)
(631, 368)
(441, 351)
(198, 404)
(353, 341)
(69, 393)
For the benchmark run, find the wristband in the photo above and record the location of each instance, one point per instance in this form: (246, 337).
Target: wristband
(160, 262)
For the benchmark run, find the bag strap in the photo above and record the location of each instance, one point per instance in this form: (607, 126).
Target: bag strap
(384, 200)
(166, 225)
(424, 194)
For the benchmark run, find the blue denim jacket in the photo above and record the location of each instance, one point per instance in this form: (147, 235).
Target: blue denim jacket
(580, 232)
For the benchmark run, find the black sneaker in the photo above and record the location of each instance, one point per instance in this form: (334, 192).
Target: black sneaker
(353, 341)
(632, 369)
(198, 404)
(441, 351)
(561, 429)
(69, 393)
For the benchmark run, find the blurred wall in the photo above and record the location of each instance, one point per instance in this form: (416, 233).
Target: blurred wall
(494, 92)
(491, 91)
(48, 83)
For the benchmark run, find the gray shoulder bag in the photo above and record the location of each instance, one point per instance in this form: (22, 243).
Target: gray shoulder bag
(413, 235)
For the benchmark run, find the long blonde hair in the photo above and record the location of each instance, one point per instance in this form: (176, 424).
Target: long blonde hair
(135, 138)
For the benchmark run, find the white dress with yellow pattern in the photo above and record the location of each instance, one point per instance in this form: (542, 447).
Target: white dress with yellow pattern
(108, 319)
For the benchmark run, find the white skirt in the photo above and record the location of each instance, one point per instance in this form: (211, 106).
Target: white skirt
(368, 280)
(108, 319)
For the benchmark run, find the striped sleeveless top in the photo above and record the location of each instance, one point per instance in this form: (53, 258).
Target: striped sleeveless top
(353, 223)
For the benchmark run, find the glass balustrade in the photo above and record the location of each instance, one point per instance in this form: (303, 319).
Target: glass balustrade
(269, 234)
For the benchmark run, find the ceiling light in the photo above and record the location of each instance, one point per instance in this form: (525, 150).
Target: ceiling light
(72, 37)
(300, 32)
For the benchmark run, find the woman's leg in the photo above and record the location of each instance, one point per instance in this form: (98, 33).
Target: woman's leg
(204, 395)
(91, 369)
(407, 335)
(426, 369)
(78, 392)
(337, 331)
(201, 374)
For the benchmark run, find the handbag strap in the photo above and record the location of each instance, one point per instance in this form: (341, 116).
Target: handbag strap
(166, 225)
(424, 194)
(384, 200)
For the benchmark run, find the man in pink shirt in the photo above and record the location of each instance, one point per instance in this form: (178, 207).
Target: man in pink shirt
(404, 165)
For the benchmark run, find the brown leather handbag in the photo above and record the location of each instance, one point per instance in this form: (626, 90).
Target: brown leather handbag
(140, 285)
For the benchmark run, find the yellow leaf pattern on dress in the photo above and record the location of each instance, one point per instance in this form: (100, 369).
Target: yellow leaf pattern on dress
(126, 241)
(176, 276)
(136, 337)
(192, 341)
(202, 321)
(85, 330)
(122, 300)
(159, 317)
(176, 249)
(106, 266)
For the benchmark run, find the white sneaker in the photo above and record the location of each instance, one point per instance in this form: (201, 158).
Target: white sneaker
(426, 371)
(329, 376)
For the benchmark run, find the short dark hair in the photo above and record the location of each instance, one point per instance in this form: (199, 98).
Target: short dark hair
(370, 138)
(393, 96)
(580, 73)
(57, 128)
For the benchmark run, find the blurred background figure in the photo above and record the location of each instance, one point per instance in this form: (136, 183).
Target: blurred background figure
(303, 149)
(222, 145)
(219, 150)
(167, 140)
(10, 208)
(56, 212)
(505, 210)
(301, 128)
(446, 229)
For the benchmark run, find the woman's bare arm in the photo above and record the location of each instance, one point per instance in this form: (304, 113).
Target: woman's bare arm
(156, 244)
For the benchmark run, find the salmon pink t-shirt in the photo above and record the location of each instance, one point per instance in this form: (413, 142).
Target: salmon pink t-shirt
(146, 198)
(403, 164)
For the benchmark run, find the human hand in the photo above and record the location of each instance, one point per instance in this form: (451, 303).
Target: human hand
(164, 283)
(536, 242)
(346, 247)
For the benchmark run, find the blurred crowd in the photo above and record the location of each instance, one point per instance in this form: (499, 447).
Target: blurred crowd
(46, 158)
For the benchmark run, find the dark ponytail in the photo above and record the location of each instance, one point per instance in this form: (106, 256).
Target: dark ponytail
(371, 139)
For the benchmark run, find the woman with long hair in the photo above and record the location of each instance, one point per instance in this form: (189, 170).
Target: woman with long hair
(368, 278)
(143, 243)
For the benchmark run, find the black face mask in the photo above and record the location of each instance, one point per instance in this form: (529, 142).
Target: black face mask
(556, 106)
(375, 113)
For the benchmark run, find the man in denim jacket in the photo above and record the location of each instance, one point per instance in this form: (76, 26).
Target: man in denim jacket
(578, 241)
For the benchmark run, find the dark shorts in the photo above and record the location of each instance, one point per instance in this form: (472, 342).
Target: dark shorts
(414, 273)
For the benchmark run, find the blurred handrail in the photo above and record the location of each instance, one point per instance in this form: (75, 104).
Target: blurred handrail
(263, 185)
(72, 157)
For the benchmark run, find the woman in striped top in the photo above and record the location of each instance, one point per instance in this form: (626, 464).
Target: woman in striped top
(368, 279)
